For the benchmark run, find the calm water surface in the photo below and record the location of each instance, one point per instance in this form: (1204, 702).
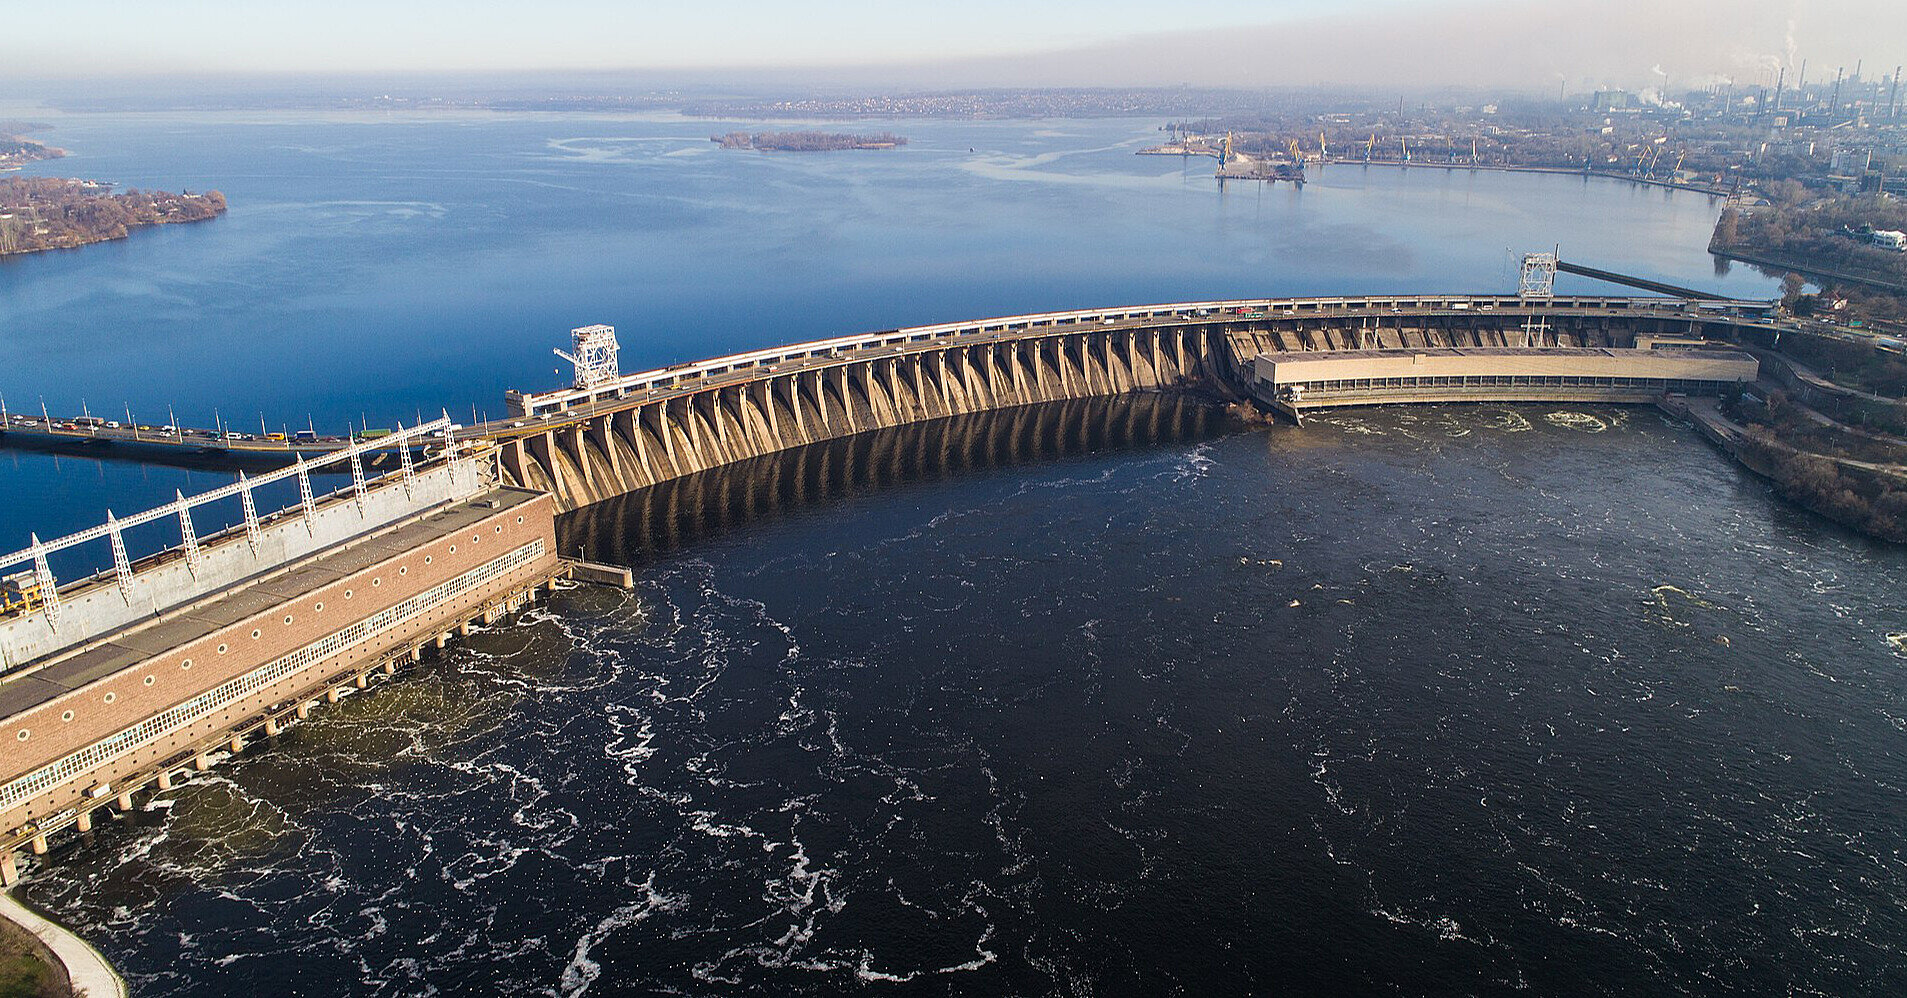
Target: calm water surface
(383, 267)
(1115, 697)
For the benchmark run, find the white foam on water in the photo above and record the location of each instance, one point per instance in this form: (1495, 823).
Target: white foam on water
(581, 972)
(1580, 421)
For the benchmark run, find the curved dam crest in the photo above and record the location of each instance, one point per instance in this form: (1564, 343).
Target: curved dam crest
(589, 444)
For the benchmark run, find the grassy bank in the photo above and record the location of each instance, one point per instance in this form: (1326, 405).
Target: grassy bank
(27, 970)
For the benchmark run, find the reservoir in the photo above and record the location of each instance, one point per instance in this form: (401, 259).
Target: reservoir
(385, 267)
(1109, 696)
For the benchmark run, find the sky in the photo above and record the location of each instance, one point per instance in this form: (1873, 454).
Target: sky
(971, 42)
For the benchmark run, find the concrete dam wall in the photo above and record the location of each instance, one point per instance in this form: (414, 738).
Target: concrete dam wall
(609, 454)
(587, 445)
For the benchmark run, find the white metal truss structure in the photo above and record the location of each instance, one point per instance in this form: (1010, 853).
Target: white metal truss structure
(304, 492)
(595, 356)
(43, 577)
(357, 480)
(122, 566)
(188, 537)
(251, 511)
(114, 528)
(1538, 278)
(404, 456)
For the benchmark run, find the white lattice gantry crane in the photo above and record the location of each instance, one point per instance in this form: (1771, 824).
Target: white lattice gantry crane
(595, 356)
(1538, 277)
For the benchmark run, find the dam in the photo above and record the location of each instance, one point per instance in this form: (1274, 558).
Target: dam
(121, 681)
(612, 434)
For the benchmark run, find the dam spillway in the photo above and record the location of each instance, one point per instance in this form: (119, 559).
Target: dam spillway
(591, 443)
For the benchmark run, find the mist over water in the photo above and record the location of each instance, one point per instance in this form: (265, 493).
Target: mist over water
(1110, 696)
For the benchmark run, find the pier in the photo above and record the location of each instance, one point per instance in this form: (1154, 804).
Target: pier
(88, 433)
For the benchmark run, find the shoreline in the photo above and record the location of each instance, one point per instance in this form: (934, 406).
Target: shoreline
(87, 970)
(1561, 171)
(1806, 270)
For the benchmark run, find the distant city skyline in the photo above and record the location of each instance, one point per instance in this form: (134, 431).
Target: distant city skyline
(981, 42)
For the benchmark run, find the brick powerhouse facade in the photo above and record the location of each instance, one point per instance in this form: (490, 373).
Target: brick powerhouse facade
(259, 649)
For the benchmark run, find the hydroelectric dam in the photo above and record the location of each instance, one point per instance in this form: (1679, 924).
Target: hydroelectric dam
(131, 677)
(612, 434)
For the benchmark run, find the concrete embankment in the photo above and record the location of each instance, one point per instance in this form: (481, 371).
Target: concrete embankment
(1734, 438)
(85, 969)
(1810, 387)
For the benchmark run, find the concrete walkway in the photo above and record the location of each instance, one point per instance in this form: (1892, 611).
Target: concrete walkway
(91, 975)
(1733, 435)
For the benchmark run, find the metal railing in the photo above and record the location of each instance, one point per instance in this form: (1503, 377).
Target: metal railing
(113, 530)
(1206, 311)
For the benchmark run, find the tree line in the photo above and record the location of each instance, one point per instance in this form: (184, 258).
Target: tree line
(807, 141)
(42, 213)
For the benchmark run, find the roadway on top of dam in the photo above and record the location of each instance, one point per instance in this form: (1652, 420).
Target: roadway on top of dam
(622, 433)
(565, 406)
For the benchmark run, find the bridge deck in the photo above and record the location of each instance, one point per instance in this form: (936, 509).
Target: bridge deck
(34, 685)
(578, 405)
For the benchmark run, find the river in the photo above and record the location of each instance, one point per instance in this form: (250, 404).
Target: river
(1110, 697)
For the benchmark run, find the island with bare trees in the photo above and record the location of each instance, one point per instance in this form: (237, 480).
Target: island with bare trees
(46, 213)
(806, 141)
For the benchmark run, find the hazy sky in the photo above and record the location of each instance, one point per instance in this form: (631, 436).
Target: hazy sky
(971, 42)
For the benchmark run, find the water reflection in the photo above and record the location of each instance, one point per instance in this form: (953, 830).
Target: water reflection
(654, 522)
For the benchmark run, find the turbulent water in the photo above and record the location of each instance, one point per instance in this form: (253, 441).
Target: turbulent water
(1454, 700)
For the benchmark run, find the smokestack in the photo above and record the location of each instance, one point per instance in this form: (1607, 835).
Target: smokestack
(1779, 77)
(1893, 96)
(1834, 102)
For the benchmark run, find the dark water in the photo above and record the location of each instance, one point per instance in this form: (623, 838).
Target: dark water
(1447, 700)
